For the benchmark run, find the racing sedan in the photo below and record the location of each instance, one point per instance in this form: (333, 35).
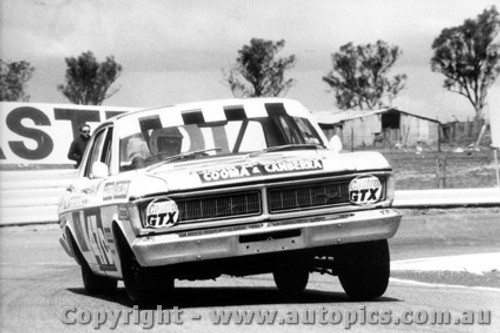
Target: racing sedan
(234, 187)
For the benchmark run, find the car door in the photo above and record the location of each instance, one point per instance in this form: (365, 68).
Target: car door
(87, 220)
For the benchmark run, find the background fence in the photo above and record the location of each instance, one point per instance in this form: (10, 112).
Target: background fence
(416, 170)
(32, 196)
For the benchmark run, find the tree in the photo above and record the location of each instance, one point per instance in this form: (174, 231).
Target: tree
(257, 72)
(468, 57)
(13, 78)
(359, 76)
(87, 81)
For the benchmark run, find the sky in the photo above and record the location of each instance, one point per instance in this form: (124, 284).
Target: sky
(176, 51)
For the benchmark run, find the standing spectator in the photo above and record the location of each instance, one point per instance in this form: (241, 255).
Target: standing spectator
(78, 145)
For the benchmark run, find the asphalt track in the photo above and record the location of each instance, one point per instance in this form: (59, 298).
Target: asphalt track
(38, 282)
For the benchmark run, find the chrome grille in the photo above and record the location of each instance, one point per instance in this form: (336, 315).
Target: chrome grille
(308, 196)
(218, 206)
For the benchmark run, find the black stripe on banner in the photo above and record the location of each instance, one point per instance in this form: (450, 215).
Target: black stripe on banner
(235, 112)
(275, 109)
(193, 117)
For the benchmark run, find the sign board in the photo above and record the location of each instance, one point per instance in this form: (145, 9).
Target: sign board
(36, 133)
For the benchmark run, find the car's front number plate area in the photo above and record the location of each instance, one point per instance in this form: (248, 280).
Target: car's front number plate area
(271, 242)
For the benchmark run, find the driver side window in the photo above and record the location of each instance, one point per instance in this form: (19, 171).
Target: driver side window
(99, 150)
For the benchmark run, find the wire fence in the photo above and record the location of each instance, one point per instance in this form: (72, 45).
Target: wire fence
(432, 170)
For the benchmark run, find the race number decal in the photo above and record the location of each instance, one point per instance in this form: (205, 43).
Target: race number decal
(365, 190)
(97, 241)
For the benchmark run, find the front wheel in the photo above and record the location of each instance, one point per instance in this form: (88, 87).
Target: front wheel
(364, 269)
(144, 285)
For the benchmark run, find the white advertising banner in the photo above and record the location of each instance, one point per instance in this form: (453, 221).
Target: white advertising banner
(36, 133)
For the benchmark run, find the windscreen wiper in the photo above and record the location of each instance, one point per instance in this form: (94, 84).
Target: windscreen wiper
(181, 157)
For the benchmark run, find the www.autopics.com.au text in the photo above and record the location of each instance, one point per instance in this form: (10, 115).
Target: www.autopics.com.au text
(317, 316)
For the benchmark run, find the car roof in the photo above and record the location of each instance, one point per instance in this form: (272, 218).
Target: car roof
(211, 111)
(210, 104)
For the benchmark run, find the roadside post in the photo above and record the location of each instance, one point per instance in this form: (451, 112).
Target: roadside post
(441, 172)
(495, 154)
(495, 130)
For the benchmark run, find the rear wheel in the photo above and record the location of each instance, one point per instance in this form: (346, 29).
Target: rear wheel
(364, 269)
(292, 277)
(93, 283)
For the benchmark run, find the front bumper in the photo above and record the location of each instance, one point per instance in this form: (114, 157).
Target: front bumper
(268, 237)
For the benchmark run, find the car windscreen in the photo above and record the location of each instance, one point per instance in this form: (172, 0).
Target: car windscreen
(155, 143)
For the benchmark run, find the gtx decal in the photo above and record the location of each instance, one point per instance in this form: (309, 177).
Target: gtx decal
(162, 212)
(365, 190)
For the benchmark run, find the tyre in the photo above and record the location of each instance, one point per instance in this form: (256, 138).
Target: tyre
(144, 286)
(92, 283)
(364, 269)
(291, 278)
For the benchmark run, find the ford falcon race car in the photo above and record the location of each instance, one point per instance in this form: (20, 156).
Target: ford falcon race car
(235, 187)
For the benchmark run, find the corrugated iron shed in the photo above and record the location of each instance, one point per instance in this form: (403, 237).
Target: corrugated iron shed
(383, 127)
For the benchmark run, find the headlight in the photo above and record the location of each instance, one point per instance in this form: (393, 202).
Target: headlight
(365, 190)
(160, 213)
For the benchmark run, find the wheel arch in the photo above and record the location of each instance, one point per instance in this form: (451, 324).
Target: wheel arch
(122, 245)
(73, 246)
(119, 236)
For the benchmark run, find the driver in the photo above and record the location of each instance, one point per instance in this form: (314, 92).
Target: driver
(137, 147)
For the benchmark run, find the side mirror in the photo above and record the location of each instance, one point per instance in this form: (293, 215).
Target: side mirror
(99, 170)
(336, 144)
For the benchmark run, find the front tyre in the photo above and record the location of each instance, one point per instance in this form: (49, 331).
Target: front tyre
(136, 281)
(143, 285)
(364, 269)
